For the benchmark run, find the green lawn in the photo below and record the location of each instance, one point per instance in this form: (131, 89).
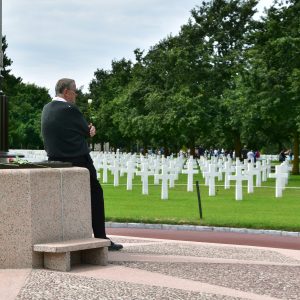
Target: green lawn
(258, 210)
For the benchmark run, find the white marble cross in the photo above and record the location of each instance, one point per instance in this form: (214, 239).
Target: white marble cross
(172, 177)
(264, 168)
(164, 176)
(204, 170)
(174, 169)
(211, 175)
(190, 172)
(238, 162)
(104, 166)
(115, 169)
(156, 168)
(144, 173)
(286, 168)
(280, 177)
(123, 163)
(269, 165)
(227, 171)
(97, 165)
(238, 177)
(258, 170)
(220, 169)
(130, 170)
(250, 172)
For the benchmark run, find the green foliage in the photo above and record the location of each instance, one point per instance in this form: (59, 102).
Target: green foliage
(25, 108)
(26, 102)
(104, 90)
(226, 79)
(9, 82)
(274, 62)
(174, 93)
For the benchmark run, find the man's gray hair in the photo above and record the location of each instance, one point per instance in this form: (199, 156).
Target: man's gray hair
(62, 84)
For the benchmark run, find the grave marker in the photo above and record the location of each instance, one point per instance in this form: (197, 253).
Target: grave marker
(144, 173)
(212, 174)
(280, 177)
(164, 176)
(130, 170)
(238, 177)
(227, 170)
(190, 172)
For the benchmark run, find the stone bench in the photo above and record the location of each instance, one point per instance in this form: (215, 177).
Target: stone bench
(61, 255)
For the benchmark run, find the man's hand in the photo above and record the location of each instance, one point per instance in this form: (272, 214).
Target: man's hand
(92, 130)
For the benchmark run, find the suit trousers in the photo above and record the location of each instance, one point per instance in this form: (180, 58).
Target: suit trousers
(97, 199)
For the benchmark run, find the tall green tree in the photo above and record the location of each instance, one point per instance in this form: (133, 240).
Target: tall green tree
(26, 102)
(273, 75)
(105, 88)
(222, 80)
(9, 81)
(225, 27)
(25, 116)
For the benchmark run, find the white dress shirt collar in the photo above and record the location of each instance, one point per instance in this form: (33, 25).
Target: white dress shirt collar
(56, 98)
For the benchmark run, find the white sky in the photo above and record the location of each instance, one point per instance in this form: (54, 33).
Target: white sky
(51, 39)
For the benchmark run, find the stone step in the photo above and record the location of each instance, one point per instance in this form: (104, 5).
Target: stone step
(61, 255)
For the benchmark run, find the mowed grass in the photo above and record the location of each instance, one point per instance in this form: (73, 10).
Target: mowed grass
(260, 210)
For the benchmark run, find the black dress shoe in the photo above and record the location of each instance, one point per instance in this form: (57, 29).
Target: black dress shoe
(114, 247)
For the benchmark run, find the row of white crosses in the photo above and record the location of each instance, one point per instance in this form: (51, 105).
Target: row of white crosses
(243, 172)
(164, 170)
(31, 155)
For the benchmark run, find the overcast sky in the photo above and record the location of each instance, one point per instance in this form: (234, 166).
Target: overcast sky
(51, 39)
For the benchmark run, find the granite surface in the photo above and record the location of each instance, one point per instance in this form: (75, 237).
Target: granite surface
(200, 250)
(277, 281)
(160, 269)
(41, 206)
(48, 285)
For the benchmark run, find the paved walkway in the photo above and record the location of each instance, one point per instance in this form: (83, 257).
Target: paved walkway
(267, 239)
(152, 268)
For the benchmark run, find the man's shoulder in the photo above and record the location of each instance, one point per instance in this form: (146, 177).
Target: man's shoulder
(63, 111)
(60, 105)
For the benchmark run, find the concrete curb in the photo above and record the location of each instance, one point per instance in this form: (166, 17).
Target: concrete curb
(201, 228)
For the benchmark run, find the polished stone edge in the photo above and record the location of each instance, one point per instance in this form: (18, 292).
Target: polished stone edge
(71, 245)
(202, 228)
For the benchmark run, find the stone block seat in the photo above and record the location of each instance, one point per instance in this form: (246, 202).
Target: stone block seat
(45, 219)
(62, 255)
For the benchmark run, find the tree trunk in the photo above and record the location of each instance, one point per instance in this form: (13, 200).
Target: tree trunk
(237, 145)
(295, 170)
(191, 146)
(166, 151)
(145, 148)
(192, 150)
(128, 147)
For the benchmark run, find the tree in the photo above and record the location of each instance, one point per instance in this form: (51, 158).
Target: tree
(104, 90)
(224, 79)
(25, 116)
(9, 81)
(225, 27)
(273, 75)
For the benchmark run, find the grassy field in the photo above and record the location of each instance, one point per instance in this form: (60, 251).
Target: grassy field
(259, 210)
